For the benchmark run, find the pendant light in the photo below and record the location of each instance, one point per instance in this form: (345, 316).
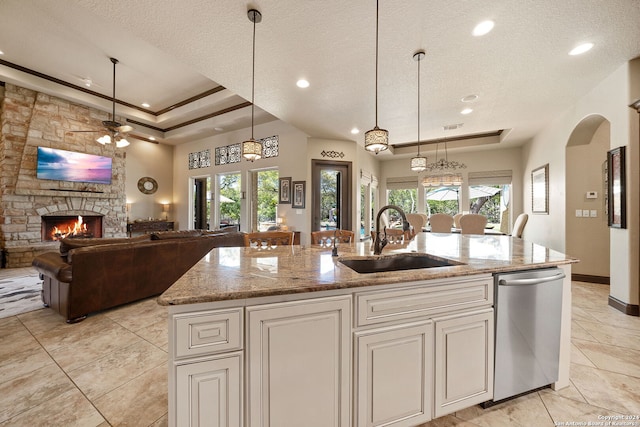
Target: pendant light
(418, 163)
(252, 149)
(376, 139)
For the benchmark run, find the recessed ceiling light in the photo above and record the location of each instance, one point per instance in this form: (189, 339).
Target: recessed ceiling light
(152, 138)
(302, 83)
(580, 49)
(466, 111)
(219, 129)
(483, 28)
(469, 98)
(355, 131)
(146, 105)
(1, 52)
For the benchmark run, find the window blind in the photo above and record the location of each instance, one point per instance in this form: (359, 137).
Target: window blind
(402, 183)
(502, 177)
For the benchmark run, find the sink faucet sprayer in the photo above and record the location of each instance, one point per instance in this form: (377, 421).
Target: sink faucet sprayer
(378, 243)
(334, 251)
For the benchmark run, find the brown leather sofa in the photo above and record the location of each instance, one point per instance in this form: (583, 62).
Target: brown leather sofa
(89, 275)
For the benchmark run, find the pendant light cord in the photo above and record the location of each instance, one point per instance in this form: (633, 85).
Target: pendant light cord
(253, 75)
(418, 107)
(377, 8)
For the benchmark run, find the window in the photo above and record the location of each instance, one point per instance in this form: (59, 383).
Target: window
(264, 199)
(442, 200)
(402, 192)
(406, 199)
(368, 209)
(489, 195)
(229, 199)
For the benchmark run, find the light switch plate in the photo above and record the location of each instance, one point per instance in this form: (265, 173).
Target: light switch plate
(578, 213)
(585, 213)
(593, 213)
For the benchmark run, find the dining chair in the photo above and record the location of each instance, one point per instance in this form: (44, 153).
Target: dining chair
(472, 224)
(441, 223)
(417, 221)
(456, 220)
(326, 237)
(268, 239)
(518, 225)
(395, 236)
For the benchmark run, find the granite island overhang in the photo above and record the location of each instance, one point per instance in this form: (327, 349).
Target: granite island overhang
(238, 273)
(292, 336)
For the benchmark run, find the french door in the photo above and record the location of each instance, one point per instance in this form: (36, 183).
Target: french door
(331, 195)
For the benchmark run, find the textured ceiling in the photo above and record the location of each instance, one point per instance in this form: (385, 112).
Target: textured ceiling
(172, 50)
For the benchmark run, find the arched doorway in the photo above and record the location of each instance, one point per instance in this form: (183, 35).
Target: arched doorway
(587, 232)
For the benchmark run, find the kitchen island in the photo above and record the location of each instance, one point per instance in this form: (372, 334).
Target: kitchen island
(291, 336)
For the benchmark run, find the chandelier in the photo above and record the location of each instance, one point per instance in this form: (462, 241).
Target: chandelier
(443, 172)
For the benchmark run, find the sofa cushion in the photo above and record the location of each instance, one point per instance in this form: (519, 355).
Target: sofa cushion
(165, 235)
(73, 243)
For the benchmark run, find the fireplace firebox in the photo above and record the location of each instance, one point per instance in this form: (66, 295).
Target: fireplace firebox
(78, 226)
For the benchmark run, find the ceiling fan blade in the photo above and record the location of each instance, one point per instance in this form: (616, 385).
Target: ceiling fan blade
(124, 128)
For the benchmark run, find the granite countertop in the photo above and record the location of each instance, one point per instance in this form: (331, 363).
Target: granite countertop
(237, 273)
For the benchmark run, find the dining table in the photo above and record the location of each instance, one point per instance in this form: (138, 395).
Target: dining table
(487, 231)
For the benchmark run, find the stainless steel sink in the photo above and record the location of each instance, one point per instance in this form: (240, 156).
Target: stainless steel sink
(395, 262)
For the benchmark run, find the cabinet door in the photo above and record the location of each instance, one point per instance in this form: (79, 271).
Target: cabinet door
(393, 377)
(209, 392)
(463, 361)
(299, 363)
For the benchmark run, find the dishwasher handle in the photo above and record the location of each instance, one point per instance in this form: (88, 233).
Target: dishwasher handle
(535, 281)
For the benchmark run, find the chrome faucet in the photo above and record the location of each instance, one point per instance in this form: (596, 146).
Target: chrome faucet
(379, 243)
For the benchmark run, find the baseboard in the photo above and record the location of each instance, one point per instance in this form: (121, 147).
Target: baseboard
(630, 309)
(604, 280)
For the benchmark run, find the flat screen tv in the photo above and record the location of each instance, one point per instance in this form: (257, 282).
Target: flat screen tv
(62, 165)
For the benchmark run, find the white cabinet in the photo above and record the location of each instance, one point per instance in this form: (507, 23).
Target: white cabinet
(206, 367)
(388, 355)
(393, 375)
(210, 392)
(463, 361)
(298, 363)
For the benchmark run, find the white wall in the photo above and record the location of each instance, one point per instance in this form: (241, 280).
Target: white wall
(609, 99)
(290, 163)
(145, 159)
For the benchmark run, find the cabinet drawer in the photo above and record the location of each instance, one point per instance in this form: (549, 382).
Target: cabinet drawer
(420, 300)
(208, 332)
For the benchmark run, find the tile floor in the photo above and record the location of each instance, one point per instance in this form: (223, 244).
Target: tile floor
(111, 370)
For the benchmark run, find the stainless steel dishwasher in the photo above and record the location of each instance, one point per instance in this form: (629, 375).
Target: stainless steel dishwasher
(527, 342)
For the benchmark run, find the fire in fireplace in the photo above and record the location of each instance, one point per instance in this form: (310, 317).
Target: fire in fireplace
(59, 227)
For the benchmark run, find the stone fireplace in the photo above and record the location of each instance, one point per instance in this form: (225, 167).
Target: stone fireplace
(28, 120)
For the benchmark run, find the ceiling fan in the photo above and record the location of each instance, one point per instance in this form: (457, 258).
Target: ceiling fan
(115, 131)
